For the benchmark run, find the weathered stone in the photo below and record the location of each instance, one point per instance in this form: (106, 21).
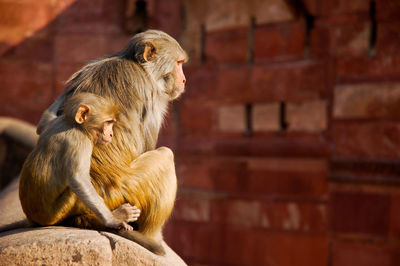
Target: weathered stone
(216, 49)
(368, 100)
(266, 117)
(366, 139)
(54, 245)
(231, 118)
(236, 13)
(288, 82)
(346, 253)
(125, 252)
(223, 15)
(271, 11)
(191, 38)
(226, 14)
(282, 40)
(307, 116)
(18, 130)
(10, 206)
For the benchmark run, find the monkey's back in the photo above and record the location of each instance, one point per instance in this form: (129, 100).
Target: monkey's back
(43, 180)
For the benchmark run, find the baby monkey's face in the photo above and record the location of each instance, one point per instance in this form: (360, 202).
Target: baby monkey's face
(106, 134)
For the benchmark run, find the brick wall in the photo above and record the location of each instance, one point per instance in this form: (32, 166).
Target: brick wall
(287, 138)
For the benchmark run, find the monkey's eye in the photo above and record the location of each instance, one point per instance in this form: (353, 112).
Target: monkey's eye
(109, 122)
(180, 62)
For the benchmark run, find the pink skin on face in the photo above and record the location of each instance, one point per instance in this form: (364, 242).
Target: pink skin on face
(180, 76)
(106, 135)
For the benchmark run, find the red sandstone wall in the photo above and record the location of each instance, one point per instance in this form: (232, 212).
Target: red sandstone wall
(287, 139)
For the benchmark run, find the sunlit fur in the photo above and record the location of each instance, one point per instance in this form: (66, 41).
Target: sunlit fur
(63, 152)
(129, 169)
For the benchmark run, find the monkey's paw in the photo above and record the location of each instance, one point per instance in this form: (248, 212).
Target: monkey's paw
(126, 213)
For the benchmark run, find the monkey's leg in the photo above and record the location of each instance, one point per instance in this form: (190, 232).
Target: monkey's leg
(85, 221)
(48, 211)
(152, 188)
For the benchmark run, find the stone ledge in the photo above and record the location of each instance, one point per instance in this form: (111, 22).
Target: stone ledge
(57, 245)
(62, 245)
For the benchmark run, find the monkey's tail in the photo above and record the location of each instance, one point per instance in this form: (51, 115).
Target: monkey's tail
(16, 225)
(142, 240)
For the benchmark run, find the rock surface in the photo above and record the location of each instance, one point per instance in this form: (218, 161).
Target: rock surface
(10, 207)
(57, 245)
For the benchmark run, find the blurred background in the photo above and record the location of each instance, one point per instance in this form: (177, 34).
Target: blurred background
(287, 139)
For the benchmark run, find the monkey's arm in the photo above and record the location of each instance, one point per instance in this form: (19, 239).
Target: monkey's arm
(50, 114)
(82, 186)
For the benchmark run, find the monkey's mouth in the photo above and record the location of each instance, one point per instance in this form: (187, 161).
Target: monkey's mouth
(177, 93)
(101, 140)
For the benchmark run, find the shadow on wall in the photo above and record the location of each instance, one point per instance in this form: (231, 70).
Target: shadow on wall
(43, 43)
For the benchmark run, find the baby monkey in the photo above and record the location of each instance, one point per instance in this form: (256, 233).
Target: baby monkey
(55, 183)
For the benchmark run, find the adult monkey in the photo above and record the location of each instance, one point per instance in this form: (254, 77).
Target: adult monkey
(141, 79)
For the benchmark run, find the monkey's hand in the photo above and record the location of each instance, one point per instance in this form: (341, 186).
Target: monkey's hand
(126, 213)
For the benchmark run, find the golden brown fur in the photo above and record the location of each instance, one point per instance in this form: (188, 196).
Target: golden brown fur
(141, 79)
(55, 181)
(46, 195)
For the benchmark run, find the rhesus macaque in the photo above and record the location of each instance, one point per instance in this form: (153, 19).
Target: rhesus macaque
(141, 79)
(55, 181)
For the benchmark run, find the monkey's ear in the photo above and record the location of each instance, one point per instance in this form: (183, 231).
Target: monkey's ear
(149, 52)
(82, 113)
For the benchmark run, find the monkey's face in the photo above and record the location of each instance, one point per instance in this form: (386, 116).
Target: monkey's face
(179, 80)
(163, 58)
(106, 133)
